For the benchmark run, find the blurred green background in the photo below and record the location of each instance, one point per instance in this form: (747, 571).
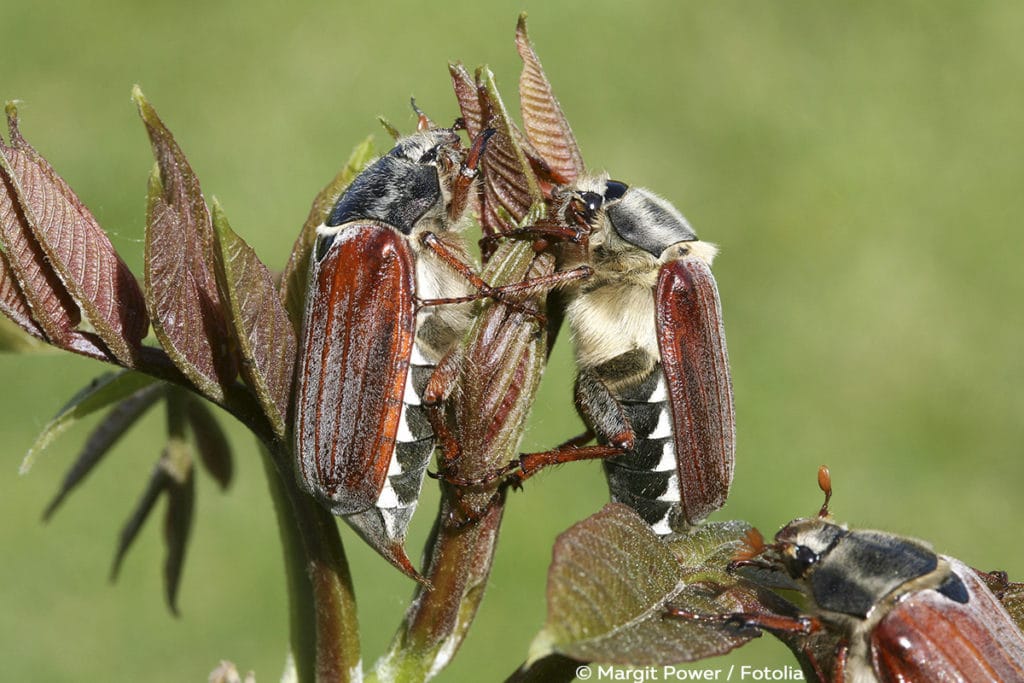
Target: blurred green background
(859, 164)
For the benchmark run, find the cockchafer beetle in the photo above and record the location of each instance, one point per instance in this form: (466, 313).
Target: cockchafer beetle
(384, 260)
(888, 606)
(653, 380)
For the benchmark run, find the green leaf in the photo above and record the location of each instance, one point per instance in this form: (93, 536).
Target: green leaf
(260, 328)
(293, 280)
(612, 579)
(1009, 593)
(181, 289)
(101, 392)
(172, 476)
(1013, 600)
(181, 494)
(103, 437)
(157, 483)
(211, 442)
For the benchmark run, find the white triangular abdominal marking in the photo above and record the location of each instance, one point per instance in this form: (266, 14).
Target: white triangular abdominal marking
(672, 493)
(418, 358)
(662, 527)
(404, 434)
(664, 427)
(660, 393)
(409, 395)
(667, 463)
(388, 498)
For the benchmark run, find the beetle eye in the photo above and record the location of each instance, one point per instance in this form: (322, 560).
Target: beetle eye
(429, 156)
(614, 190)
(591, 204)
(803, 559)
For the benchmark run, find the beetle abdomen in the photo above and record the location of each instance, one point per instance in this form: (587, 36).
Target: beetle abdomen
(414, 443)
(646, 478)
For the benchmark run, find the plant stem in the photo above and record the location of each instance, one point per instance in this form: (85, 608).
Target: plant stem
(324, 626)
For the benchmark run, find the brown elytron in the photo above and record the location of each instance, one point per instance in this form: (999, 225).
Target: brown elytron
(692, 344)
(358, 340)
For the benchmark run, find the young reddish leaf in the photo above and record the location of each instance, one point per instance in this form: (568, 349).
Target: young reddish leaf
(293, 280)
(210, 440)
(103, 437)
(76, 248)
(258, 322)
(511, 189)
(12, 301)
(611, 580)
(101, 392)
(188, 317)
(545, 124)
(468, 97)
(32, 293)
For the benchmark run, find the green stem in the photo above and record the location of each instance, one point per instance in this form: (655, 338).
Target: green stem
(301, 606)
(436, 623)
(324, 626)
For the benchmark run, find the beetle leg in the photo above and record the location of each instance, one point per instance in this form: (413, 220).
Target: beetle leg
(484, 290)
(839, 671)
(544, 229)
(604, 417)
(745, 621)
(602, 412)
(526, 465)
(467, 174)
(439, 387)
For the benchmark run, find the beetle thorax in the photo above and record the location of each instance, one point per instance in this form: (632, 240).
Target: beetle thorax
(613, 318)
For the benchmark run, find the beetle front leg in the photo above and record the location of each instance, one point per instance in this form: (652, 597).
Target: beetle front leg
(439, 387)
(780, 625)
(467, 174)
(605, 419)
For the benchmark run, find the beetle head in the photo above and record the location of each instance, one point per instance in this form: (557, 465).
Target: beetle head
(408, 185)
(632, 221)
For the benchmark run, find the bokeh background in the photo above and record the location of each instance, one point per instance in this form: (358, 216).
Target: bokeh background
(859, 163)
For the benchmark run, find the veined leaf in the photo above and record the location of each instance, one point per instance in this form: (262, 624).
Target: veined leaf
(293, 280)
(510, 186)
(469, 98)
(102, 392)
(545, 124)
(259, 323)
(12, 301)
(75, 246)
(181, 289)
(31, 293)
(611, 580)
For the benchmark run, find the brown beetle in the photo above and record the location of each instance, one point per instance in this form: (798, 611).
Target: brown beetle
(371, 337)
(895, 609)
(653, 382)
